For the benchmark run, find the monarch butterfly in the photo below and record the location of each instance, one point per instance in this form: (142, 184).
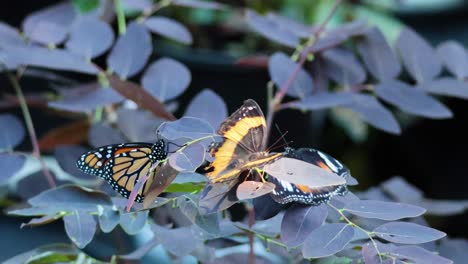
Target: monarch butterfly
(123, 164)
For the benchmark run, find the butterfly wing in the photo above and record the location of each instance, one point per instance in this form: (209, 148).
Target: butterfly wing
(244, 133)
(286, 192)
(122, 165)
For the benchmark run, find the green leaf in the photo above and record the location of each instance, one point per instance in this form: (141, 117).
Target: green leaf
(185, 187)
(86, 6)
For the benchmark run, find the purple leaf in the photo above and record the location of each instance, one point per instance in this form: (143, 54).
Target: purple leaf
(178, 241)
(12, 132)
(33, 185)
(323, 100)
(379, 58)
(138, 125)
(270, 227)
(327, 240)
(166, 79)
(169, 28)
(45, 219)
(90, 37)
(108, 219)
(88, 102)
(199, 4)
(454, 57)
(446, 87)
(189, 159)
(67, 156)
(101, 134)
(71, 197)
(455, 249)
(186, 127)
(9, 36)
(401, 190)
(270, 29)
(49, 25)
(411, 100)
(383, 210)
(9, 165)
(371, 111)
(343, 67)
(253, 189)
(33, 211)
(370, 254)
(189, 177)
(133, 222)
(338, 35)
(139, 5)
(215, 114)
(418, 56)
(299, 221)
(407, 233)
(131, 51)
(208, 223)
(55, 59)
(418, 255)
(281, 68)
(218, 196)
(443, 207)
(80, 227)
(288, 24)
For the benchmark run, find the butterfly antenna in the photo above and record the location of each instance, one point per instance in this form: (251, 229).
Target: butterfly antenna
(282, 137)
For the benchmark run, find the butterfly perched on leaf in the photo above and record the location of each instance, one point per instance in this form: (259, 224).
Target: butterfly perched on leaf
(321, 175)
(123, 165)
(243, 145)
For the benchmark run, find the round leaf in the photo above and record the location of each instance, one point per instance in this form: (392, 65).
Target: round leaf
(80, 227)
(90, 37)
(215, 114)
(9, 165)
(169, 28)
(327, 240)
(166, 79)
(253, 189)
(12, 132)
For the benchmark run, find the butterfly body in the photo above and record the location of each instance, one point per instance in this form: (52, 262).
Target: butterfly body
(243, 145)
(286, 192)
(123, 165)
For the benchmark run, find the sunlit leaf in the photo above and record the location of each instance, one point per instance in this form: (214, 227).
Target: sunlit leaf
(80, 227)
(169, 28)
(282, 68)
(88, 102)
(108, 219)
(166, 79)
(411, 100)
(327, 240)
(189, 158)
(383, 210)
(56, 59)
(133, 222)
(9, 36)
(215, 114)
(49, 25)
(407, 233)
(252, 189)
(131, 51)
(90, 37)
(12, 132)
(299, 221)
(186, 127)
(418, 56)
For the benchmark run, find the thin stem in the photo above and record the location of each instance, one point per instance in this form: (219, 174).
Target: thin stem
(30, 126)
(369, 233)
(121, 24)
(274, 105)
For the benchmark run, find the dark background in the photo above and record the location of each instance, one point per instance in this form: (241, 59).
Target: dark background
(431, 154)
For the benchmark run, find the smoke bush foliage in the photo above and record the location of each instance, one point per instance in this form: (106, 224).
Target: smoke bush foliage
(350, 68)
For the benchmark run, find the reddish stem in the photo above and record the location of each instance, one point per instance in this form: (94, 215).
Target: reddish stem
(251, 212)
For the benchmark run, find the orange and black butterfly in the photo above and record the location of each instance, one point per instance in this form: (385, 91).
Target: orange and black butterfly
(123, 165)
(243, 145)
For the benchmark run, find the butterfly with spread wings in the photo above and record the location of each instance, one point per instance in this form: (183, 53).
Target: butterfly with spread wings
(123, 165)
(243, 145)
